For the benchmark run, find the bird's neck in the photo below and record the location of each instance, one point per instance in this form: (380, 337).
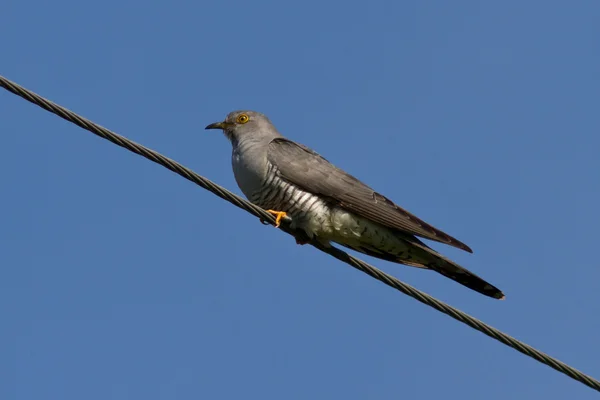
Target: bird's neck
(252, 140)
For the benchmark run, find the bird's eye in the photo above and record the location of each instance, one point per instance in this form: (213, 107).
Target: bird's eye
(242, 119)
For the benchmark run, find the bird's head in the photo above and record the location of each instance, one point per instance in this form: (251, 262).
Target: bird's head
(239, 125)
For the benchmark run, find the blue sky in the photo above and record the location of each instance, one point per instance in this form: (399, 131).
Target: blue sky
(121, 280)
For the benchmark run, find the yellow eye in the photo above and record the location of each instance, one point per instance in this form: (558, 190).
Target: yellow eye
(242, 119)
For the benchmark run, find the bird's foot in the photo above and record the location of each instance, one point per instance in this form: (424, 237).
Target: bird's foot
(279, 215)
(302, 242)
(301, 238)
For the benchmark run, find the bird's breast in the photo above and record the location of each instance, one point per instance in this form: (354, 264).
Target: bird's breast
(249, 168)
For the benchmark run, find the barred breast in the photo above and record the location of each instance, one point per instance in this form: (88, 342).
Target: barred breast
(308, 211)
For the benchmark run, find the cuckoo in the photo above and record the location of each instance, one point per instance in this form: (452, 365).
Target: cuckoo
(293, 182)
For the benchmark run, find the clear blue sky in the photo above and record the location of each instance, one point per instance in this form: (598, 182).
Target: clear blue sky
(121, 280)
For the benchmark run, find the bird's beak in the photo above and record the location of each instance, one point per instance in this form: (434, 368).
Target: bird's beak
(217, 125)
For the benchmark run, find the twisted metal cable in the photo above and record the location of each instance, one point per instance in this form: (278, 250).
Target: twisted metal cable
(265, 216)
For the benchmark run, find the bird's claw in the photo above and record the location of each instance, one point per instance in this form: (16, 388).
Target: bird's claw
(279, 215)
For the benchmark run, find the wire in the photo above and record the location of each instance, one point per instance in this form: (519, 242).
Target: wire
(265, 216)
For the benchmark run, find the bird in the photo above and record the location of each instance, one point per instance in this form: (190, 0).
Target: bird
(295, 183)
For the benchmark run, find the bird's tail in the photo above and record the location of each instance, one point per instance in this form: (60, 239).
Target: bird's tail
(423, 256)
(429, 258)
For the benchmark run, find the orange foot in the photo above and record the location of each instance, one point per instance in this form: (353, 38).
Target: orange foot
(279, 216)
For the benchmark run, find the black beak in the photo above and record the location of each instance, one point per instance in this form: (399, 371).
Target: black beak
(216, 125)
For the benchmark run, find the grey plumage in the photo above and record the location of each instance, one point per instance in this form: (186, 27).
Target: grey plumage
(331, 205)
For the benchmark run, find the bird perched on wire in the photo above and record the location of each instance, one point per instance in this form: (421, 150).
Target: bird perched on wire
(292, 181)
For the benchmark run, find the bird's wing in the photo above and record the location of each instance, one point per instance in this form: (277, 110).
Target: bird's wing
(306, 169)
